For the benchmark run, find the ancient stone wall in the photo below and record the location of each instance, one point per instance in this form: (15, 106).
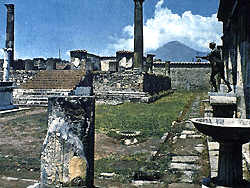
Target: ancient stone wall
(125, 81)
(155, 84)
(20, 76)
(190, 76)
(128, 86)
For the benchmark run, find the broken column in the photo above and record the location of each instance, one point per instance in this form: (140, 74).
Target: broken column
(138, 34)
(10, 32)
(150, 61)
(68, 150)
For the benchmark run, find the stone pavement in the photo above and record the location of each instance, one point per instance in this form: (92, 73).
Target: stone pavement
(187, 157)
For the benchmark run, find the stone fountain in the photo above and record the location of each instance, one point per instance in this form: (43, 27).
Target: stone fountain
(231, 134)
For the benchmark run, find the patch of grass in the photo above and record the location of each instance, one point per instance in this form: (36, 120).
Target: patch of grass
(127, 167)
(153, 120)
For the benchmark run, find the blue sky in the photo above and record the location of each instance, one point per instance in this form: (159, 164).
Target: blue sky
(104, 26)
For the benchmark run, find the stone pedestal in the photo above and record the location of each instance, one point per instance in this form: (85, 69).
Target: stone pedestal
(223, 104)
(68, 150)
(6, 90)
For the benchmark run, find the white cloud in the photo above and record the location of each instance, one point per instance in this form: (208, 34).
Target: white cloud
(193, 30)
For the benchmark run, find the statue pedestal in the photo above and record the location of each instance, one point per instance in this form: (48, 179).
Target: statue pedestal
(6, 89)
(223, 104)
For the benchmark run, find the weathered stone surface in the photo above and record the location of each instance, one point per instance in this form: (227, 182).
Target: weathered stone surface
(77, 168)
(6, 90)
(185, 159)
(212, 146)
(197, 77)
(183, 136)
(68, 148)
(188, 132)
(183, 185)
(184, 166)
(197, 136)
(222, 100)
(128, 86)
(187, 177)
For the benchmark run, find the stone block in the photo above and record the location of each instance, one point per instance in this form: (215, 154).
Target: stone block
(213, 146)
(184, 166)
(185, 159)
(222, 100)
(68, 150)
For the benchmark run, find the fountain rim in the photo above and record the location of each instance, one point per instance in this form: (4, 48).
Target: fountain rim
(194, 120)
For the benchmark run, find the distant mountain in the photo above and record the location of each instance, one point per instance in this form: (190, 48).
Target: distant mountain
(176, 51)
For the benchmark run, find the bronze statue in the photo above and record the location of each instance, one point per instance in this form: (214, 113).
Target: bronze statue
(217, 66)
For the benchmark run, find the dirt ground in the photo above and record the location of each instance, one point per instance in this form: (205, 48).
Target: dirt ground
(21, 139)
(22, 135)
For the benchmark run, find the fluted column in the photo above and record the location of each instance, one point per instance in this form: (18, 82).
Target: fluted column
(230, 164)
(138, 34)
(10, 32)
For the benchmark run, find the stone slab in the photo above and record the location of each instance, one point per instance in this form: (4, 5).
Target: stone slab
(186, 177)
(199, 148)
(187, 132)
(195, 136)
(183, 185)
(213, 146)
(183, 136)
(184, 166)
(222, 100)
(185, 159)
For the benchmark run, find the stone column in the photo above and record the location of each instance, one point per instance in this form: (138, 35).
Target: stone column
(10, 31)
(230, 164)
(6, 64)
(138, 34)
(68, 150)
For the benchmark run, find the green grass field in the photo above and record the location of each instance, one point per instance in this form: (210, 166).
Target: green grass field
(151, 119)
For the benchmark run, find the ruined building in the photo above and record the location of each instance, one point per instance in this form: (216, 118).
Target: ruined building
(236, 49)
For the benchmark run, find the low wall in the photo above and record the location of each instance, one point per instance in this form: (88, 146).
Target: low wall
(190, 76)
(118, 81)
(128, 86)
(131, 81)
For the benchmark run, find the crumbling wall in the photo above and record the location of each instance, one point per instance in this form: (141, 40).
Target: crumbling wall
(131, 82)
(20, 76)
(119, 81)
(155, 83)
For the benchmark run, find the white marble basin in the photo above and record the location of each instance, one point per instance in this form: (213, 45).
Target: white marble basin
(224, 129)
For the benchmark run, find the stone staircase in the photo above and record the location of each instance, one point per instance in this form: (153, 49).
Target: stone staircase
(35, 92)
(58, 79)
